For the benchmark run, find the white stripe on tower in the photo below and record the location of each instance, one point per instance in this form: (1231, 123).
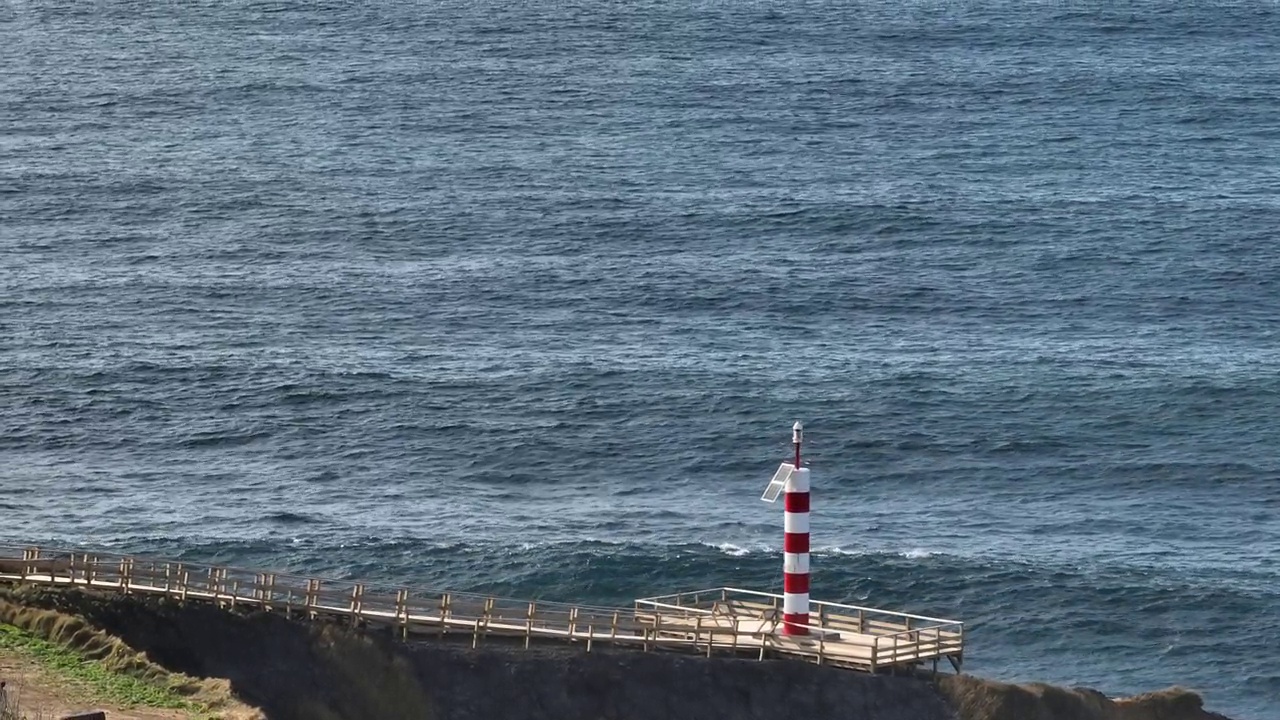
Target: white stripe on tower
(795, 546)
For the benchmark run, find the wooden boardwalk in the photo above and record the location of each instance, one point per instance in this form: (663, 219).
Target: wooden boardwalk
(716, 621)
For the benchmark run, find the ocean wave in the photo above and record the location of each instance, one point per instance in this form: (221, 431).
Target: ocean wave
(224, 439)
(289, 518)
(733, 550)
(823, 551)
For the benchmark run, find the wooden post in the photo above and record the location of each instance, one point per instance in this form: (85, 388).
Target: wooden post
(488, 614)
(613, 628)
(875, 652)
(528, 626)
(444, 614)
(862, 622)
(590, 635)
(402, 612)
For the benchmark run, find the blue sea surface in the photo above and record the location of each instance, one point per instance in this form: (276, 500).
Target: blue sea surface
(523, 297)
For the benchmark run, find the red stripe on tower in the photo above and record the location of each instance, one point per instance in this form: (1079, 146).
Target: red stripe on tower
(796, 582)
(797, 502)
(795, 542)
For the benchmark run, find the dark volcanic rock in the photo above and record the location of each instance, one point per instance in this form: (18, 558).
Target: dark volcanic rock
(296, 670)
(650, 686)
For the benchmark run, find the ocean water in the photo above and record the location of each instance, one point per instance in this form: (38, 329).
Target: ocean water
(524, 296)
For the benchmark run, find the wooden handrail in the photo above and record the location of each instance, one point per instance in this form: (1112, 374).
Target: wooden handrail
(723, 624)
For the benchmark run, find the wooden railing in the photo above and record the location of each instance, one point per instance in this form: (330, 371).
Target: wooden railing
(889, 637)
(724, 620)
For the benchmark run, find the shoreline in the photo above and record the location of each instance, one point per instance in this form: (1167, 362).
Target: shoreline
(290, 669)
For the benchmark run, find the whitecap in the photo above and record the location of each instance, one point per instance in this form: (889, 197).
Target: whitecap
(838, 551)
(918, 553)
(731, 549)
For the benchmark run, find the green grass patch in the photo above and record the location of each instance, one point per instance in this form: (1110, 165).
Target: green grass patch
(123, 690)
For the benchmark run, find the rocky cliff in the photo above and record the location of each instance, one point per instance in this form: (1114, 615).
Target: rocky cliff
(293, 670)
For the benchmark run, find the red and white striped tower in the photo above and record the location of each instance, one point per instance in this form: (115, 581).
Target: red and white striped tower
(795, 546)
(793, 480)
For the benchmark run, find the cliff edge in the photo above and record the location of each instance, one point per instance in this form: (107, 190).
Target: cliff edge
(293, 670)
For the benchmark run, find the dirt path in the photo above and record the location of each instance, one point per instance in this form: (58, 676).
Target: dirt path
(39, 695)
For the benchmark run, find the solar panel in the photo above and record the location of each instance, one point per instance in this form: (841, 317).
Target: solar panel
(778, 482)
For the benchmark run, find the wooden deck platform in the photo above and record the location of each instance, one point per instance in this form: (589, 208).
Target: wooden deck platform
(716, 621)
